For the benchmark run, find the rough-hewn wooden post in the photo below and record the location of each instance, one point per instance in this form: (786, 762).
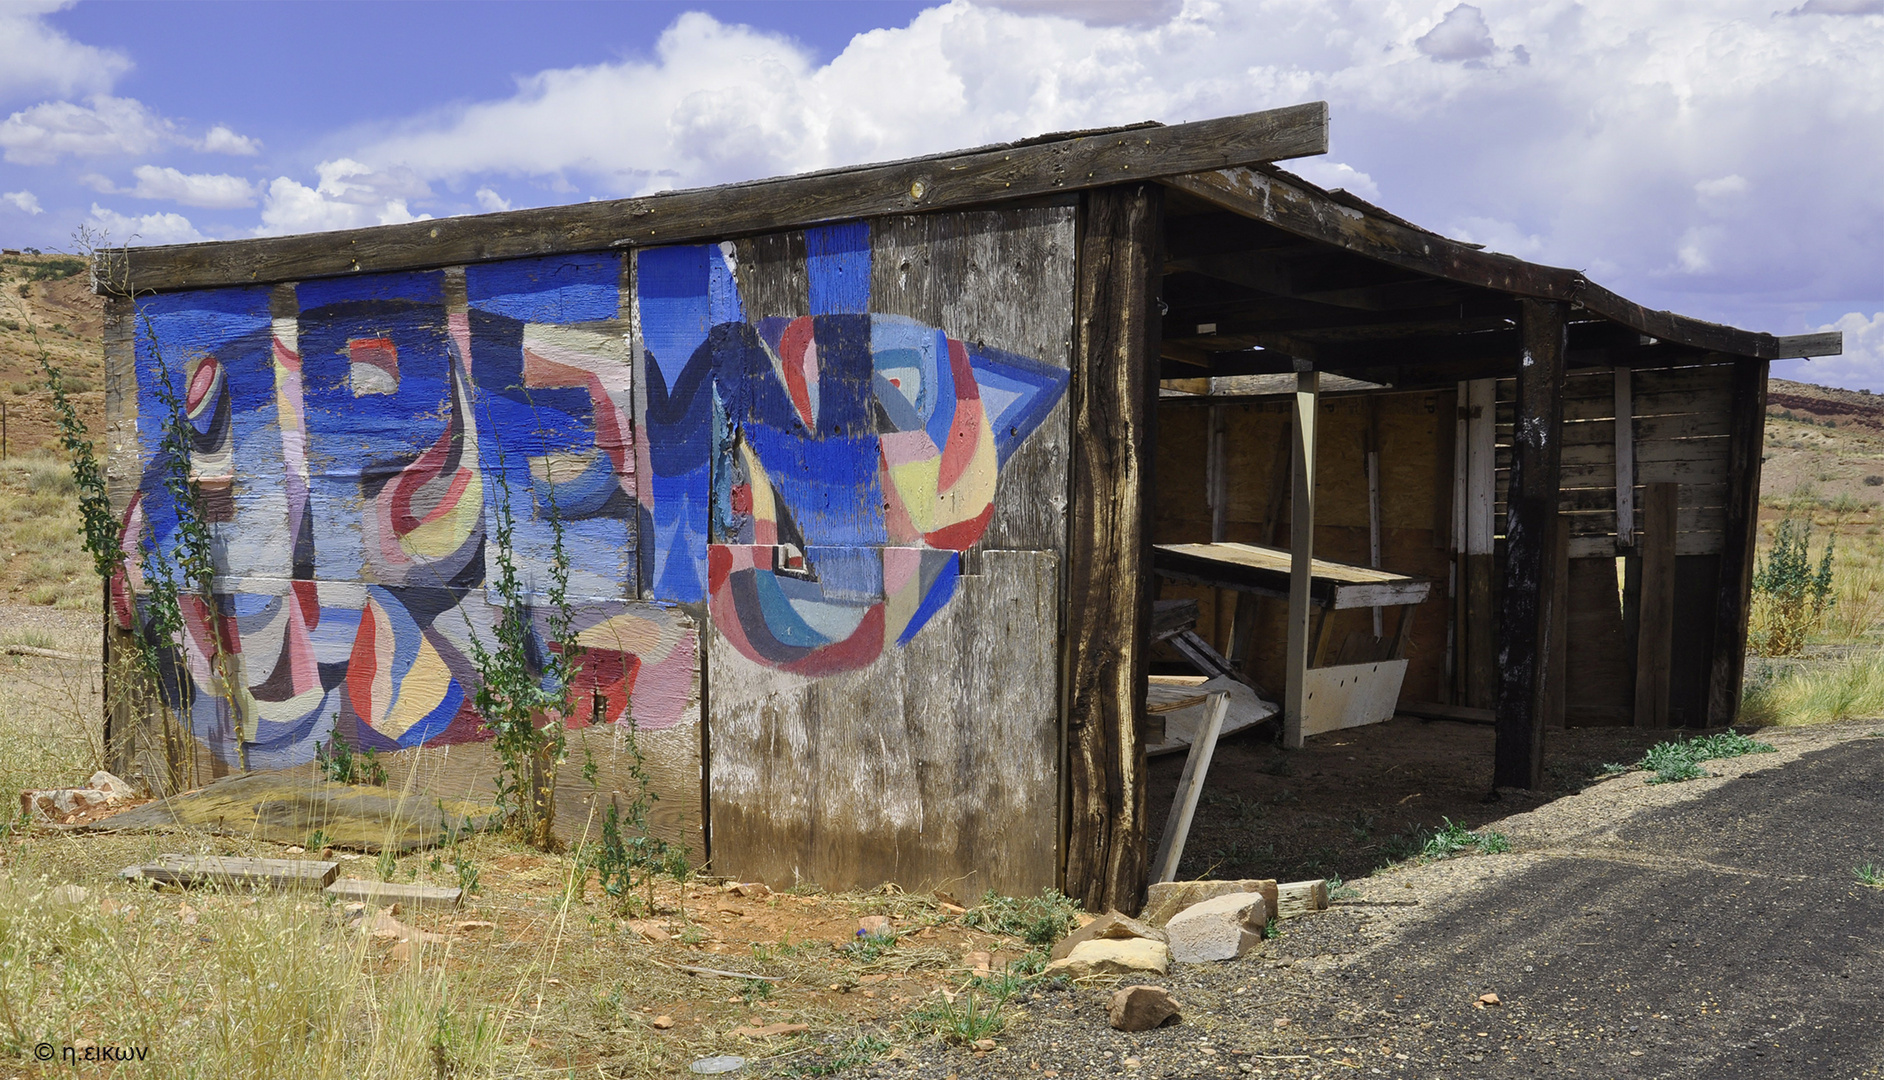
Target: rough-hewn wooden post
(1108, 598)
(1745, 443)
(1526, 624)
(1302, 423)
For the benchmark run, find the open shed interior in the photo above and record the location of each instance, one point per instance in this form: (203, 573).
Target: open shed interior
(1418, 410)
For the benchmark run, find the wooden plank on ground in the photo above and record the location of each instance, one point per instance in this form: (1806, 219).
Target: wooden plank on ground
(230, 870)
(409, 893)
(1046, 166)
(1656, 619)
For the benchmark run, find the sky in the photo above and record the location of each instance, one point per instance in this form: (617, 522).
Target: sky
(1720, 158)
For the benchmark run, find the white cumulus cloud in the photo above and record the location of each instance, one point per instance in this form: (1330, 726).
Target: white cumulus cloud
(210, 190)
(138, 230)
(103, 125)
(1461, 35)
(490, 201)
(349, 195)
(221, 140)
(25, 201)
(36, 58)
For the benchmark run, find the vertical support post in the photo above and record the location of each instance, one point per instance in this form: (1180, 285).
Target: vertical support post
(1527, 622)
(1479, 564)
(1217, 486)
(1557, 661)
(1373, 499)
(1301, 548)
(1655, 609)
(1744, 447)
(1108, 567)
(1625, 460)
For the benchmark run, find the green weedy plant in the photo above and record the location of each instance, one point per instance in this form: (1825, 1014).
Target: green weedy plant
(103, 543)
(1040, 920)
(1680, 759)
(964, 1020)
(1869, 874)
(1790, 596)
(526, 704)
(337, 762)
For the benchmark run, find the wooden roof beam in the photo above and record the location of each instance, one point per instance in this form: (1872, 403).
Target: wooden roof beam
(1296, 206)
(1047, 166)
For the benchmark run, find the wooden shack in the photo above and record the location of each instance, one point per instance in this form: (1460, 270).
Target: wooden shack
(861, 475)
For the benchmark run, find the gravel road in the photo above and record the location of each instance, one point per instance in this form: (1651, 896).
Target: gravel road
(1707, 929)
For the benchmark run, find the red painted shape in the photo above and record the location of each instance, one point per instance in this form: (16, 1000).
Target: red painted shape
(962, 534)
(362, 665)
(792, 346)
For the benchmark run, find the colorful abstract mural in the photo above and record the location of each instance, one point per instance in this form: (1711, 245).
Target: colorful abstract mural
(805, 479)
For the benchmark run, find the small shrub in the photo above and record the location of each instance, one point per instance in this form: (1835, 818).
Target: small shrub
(963, 1021)
(1869, 874)
(1789, 595)
(1041, 920)
(1452, 838)
(1673, 762)
(338, 762)
(1874, 481)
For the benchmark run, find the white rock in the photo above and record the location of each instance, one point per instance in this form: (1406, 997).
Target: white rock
(1222, 928)
(1113, 956)
(111, 786)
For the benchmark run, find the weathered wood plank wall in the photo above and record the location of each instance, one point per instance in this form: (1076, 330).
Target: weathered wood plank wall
(937, 762)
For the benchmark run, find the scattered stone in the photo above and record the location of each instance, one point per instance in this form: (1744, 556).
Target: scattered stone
(1223, 928)
(68, 894)
(1141, 1008)
(476, 924)
(751, 890)
(984, 1045)
(385, 926)
(980, 961)
(1111, 925)
(295, 849)
(651, 929)
(1486, 999)
(117, 789)
(662, 1022)
(187, 915)
(724, 1063)
(874, 926)
(947, 898)
(1167, 898)
(768, 1031)
(1113, 956)
(1300, 898)
(875, 977)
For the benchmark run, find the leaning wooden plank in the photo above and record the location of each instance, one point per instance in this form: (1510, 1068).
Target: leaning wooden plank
(411, 894)
(1177, 825)
(1022, 170)
(232, 870)
(1301, 898)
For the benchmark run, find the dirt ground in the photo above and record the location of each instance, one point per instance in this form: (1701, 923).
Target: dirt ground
(1713, 928)
(1352, 801)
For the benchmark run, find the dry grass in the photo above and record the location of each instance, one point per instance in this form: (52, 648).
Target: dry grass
(45, 562)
